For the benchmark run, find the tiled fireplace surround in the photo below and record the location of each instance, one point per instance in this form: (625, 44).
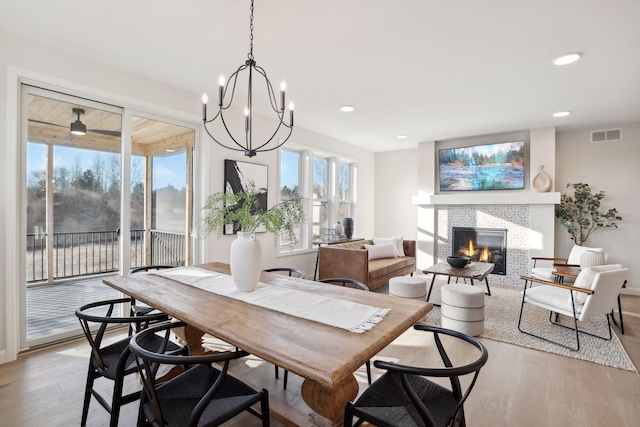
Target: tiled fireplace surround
(514, 218)
(530, 228)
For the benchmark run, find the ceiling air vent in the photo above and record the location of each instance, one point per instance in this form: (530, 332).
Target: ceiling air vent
(606, 135)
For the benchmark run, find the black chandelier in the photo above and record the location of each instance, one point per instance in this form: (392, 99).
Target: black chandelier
(228, 88)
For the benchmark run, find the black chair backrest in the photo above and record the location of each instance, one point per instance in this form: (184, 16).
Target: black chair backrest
(150, 361)
(293, 272)
(350, 283)
(88, 317)
(453, 373)
(147, 268)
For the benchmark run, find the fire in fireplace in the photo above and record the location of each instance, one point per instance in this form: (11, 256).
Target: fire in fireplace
(482, 244)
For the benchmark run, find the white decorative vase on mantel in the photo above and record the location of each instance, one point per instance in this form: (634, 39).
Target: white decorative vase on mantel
(245, 256)
(542, 181)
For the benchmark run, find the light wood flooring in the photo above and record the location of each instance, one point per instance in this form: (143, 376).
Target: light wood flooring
(517, 386)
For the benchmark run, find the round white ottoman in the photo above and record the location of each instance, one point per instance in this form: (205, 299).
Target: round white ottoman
(407, 287)
(462, 308)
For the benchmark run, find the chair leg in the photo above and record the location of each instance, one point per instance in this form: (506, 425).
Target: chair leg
(87, 395)
(369, 371)
(575, 321)
(621, 326)
(620, 315)
(264, 408)
(348, 415)
(116, 403)
(286, 377)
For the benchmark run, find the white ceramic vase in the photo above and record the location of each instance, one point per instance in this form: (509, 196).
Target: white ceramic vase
(245, 261)
(339, 229)
(542, 181)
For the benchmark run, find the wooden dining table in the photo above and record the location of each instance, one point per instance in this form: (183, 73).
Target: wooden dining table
(325, 356)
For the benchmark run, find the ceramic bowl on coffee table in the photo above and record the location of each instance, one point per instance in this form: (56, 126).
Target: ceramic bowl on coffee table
(458, 261)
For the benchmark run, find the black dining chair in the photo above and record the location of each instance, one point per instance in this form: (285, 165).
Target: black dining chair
(403, 396)
(349, 283)
(291, 272)
(112, 361)
(141, 309)
(203, 395)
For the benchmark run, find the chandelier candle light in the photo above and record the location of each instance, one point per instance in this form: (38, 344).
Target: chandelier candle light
(228, 88)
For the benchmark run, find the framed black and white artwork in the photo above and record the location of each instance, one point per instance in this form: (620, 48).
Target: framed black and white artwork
(237, 176)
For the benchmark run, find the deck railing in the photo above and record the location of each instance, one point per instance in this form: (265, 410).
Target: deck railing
(96, 252)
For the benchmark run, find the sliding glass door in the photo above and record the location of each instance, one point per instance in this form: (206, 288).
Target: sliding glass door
(73, 189)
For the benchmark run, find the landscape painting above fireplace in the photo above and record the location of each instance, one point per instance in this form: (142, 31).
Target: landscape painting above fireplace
(482, 167)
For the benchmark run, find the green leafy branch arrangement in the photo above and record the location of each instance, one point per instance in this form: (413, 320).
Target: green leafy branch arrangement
(581, 214)
(243, 210)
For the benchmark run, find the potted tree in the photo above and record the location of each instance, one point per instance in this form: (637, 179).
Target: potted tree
(242, 209)
(581, 214)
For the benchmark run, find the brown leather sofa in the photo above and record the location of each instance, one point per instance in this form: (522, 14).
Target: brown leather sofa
(351, 260)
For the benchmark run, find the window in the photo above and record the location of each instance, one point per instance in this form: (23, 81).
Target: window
(326, 183)
(320, 209)
(290, 162)
(344, 190)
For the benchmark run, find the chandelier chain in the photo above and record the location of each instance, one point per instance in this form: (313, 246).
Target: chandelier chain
(250, 56)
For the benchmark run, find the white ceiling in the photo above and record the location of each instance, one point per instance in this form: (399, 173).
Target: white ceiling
(431, 69)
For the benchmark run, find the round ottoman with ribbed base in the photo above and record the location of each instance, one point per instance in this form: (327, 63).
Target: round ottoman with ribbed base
(462, 308)
(407, 287)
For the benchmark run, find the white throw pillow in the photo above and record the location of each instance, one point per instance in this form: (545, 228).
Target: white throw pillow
(585, 281)
(387, 250)
(396, 241)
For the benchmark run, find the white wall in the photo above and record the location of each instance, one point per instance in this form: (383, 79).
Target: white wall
(612, 167)
(395, 185)
(79, 76)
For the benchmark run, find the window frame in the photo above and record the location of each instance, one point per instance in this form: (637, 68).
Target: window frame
(332, 193)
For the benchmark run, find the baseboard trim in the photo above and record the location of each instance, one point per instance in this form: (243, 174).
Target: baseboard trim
(630, 291)
(3, 357)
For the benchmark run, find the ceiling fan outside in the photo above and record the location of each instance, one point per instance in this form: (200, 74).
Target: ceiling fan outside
(79, 128)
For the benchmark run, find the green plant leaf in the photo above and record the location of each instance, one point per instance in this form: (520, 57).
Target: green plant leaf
(243, 210)
(581, 214)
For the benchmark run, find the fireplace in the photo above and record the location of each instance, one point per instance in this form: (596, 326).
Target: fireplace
(482, 244)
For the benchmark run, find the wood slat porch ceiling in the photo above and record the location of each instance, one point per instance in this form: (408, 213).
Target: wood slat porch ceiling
(149, 137)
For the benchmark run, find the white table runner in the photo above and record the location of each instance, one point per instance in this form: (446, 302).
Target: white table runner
(348, 315)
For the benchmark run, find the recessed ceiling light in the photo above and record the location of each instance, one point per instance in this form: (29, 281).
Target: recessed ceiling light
(567, 59)
(402, 137)
(561, 114)
(347, 108)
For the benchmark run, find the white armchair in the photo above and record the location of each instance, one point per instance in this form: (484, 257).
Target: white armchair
(593, 294)
(545, 272)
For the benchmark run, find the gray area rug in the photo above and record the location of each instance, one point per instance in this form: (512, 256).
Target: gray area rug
(502, 309)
